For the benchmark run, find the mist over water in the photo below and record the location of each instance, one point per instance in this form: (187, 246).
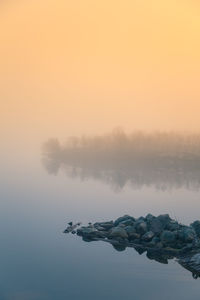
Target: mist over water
(163, 160)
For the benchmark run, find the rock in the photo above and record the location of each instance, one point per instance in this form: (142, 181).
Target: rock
(118, 232)
(148, 236)
(140, 250)
(196, 226)
(155, 240)
(130, 230)
(168, 237)
(127, 222)
(99, 228)
(186, 235)
(159, 245)
(86, 231)
(119, 248)
(172, 225)
(160, 258)
(164, 219)
(149, 217)
(141, 227)
(134, 236)
(160, 234)
(121, 219)
(106, 225)
(156, 226)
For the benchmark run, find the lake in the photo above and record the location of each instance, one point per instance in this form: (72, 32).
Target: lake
(39, 262)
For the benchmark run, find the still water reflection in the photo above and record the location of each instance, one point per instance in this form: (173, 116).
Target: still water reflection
(164, 161)
(39, 262)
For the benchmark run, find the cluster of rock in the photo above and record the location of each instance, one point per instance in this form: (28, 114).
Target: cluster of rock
(144, 233)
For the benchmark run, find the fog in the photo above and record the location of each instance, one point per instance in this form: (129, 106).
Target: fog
(164, 160)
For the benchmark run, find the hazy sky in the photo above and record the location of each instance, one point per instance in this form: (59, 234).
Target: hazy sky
(85, 66)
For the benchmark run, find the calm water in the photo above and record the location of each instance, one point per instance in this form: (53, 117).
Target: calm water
(39, 262)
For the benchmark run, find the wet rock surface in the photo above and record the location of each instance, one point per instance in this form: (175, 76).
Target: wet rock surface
(161, 237)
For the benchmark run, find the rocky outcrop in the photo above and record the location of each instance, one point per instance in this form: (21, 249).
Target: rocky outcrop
(161, 237)
(149, 232)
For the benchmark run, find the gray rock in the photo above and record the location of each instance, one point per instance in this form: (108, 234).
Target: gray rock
(196, 226)
(118, 232)
(141, 227)
(86, 231)
(164, 219)
(130, 230)
(148, 236)
(168, 237)
(119, 247)
(159, 245)
(149, 217)
(156, 226)
(155, 240)
(187, 235)
(172, 225)
(106, 225)
(134, 236)
(127, 222)
(121, 219)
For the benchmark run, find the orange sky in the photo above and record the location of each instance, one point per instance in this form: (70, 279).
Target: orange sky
(85, 66)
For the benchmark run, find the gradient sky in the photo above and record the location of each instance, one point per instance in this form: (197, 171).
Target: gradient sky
(85, 66)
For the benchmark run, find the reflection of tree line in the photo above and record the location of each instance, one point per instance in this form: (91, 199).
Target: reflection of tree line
(162, 160)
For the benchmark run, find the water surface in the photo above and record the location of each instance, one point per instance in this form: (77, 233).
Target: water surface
(39, 262)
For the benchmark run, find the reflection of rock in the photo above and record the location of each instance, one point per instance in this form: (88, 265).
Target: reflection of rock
(181, 242)
(191, 263)
(164, 162)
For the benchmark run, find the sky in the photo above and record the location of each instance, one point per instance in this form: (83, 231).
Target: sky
(86, 67)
